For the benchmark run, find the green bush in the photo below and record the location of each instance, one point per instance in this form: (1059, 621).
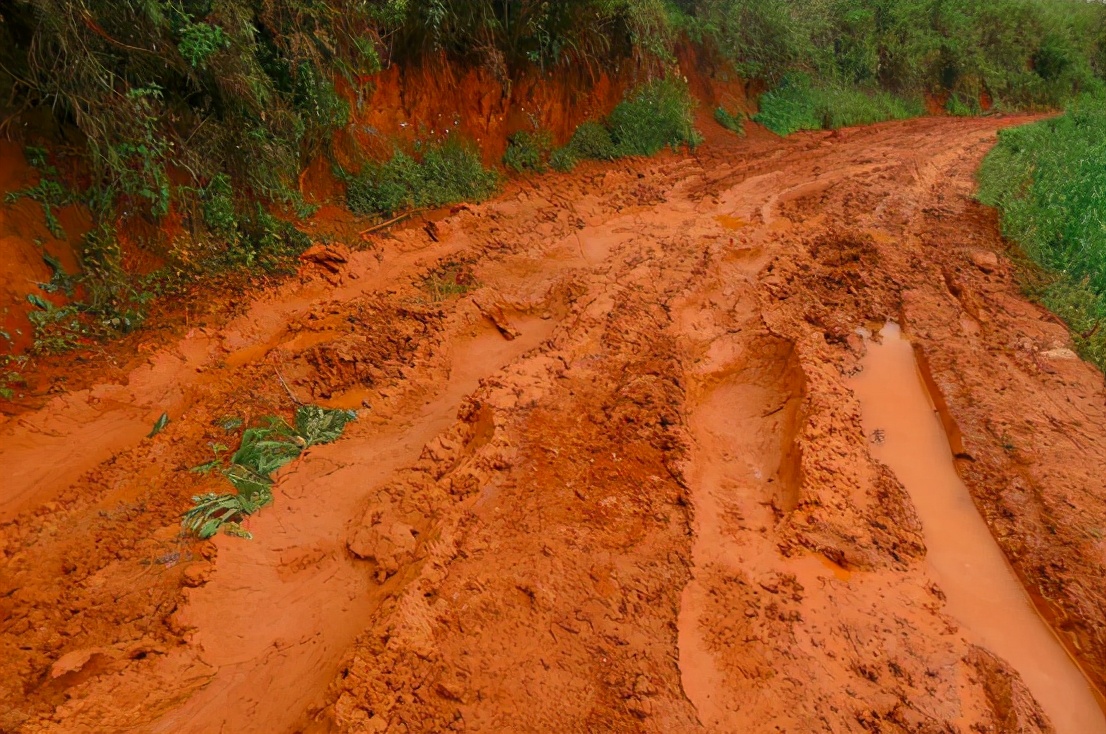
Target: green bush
(563, 159)
(656, 115)
(1048, 181)
(528, 151)
(799, 104)
(447, 173)
(958, 105)
(592, 140)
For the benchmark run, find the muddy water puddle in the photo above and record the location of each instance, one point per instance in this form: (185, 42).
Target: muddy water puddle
(983, 593)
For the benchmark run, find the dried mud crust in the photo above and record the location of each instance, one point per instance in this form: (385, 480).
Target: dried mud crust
(618, 485)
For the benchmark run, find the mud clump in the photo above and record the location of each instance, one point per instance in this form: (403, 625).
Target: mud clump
(383, 340)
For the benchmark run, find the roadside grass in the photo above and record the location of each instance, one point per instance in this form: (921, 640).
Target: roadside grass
(730, 121)
(203, 114)
(801, 104)
(264, 449)
(435, 175)
(529, 151)
(1048, 181)
(656, 115)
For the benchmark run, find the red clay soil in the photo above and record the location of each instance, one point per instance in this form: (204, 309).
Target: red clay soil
(654, 509)
(24, 237)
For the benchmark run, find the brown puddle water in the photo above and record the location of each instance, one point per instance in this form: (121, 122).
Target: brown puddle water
(983, 592)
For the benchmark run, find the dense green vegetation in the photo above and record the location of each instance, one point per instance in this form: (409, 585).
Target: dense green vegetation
(441, 174)
(1020, 53)
(204, 112)
(657, 115)
(1049, 182)
(799, 104)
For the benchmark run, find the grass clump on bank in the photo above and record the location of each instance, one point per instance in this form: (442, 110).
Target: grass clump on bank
(730, 121)
(263, 450)
(799, 104)
(655, 116)
(529, 151)
(1048, 181)
(442, 174)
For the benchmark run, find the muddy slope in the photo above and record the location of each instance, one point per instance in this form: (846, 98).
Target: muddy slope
(621, 485)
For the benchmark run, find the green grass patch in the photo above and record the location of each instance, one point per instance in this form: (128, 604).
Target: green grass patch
(591, 141)
(264, 449)
(654, 116)
(800, 104)
(1048, 181)
(529, 151)
(436, 175)
(733, 123)
(657, 115)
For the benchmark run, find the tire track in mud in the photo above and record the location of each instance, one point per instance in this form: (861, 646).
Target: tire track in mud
(655, 511)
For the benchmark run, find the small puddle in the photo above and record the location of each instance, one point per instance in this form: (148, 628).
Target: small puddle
(983, 592)
(731, 223)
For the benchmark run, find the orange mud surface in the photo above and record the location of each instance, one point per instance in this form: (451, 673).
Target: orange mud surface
(625, 483)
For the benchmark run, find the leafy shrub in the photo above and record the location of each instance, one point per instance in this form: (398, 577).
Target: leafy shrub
(592, 140)
(563, 159)
(57, 328)
(958, 105)
(49, 192)
(198, 41)
(656, 115)
(1048, 181)
(447, 173)
(798, 104)
(528, 151)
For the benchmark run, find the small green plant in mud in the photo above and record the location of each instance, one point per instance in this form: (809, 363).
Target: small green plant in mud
(10, 378)
(264, 449)
(563, 159)
(592, 140)
(57, 328)
(733, 123)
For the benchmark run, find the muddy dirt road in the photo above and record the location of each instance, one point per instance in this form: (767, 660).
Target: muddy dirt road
(622, 482)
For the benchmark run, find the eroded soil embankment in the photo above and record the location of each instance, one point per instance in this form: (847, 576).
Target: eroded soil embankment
(656, 509)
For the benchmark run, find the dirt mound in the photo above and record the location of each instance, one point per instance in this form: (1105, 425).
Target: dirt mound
(608, 472)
